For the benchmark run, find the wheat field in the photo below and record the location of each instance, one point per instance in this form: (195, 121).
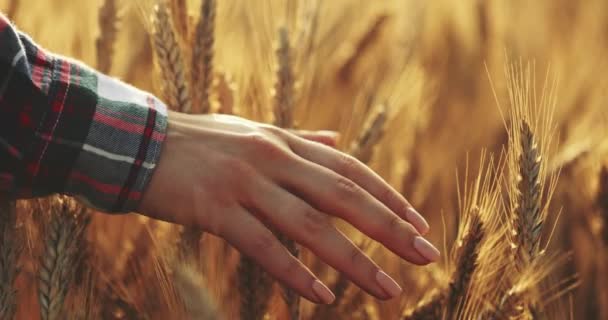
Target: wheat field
(489, 116)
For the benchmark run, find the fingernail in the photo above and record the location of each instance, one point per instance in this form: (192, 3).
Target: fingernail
(417, 220)
(426, 249)
(323, 292)
(388, 284)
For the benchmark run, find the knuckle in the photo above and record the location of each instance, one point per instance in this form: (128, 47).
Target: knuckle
(356, 256)
(275, 131)
(347, 165)
(265, 146)
(394, 224)
(315, 222)
(392, 199)
(346, 188)
(291, 267)
(237, 168)
(410, 231)
(390, 227)
(291, 206)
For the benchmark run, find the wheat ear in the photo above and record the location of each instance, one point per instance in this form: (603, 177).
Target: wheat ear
(362, 148)
(202, 56)
(197, 300)
(448, 300)
(284, 85)
(179, 10)
(283, 113)
(202, 78)
(527, 217)
(254, 283)
(255, 287)
(64, 245)
(10, 249)
(108, 27)
(225, 89)
(170, 58)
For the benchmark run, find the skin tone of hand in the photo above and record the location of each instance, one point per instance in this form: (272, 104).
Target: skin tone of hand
(237, 179)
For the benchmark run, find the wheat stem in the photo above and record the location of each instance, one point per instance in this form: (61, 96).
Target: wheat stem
(324, 311)
(363, 46)
(108, 27)
(283, 112)
(509, 307)
(602, 202)
(170, 58)
(225, 89)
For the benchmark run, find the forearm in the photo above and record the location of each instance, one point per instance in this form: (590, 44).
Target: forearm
(65, 128)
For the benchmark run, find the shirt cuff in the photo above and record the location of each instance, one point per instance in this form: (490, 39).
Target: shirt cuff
(121, 149)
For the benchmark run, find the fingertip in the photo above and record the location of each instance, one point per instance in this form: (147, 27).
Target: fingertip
(322, 292)
(426, 249)
(388, 284)
(416, 219)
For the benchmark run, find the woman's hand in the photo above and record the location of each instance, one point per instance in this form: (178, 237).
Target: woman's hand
(235, 178)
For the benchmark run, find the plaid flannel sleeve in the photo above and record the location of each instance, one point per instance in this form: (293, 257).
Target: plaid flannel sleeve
(65, 128)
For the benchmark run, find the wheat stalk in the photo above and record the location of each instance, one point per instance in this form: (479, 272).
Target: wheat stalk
(64, 246)
(202, 56)
(339, 287)
(448, 300)
(115, 307)
(225, 89)
(170, 58)
(10, 249)
(108, 27)
(509, 307)
(190, 286)
(602, 202)
(366, 42)
(362, 148)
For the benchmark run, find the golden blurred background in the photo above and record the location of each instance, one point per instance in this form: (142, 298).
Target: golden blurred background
(441, 70)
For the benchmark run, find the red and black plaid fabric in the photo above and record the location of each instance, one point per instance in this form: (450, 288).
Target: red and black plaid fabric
(65, 128)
